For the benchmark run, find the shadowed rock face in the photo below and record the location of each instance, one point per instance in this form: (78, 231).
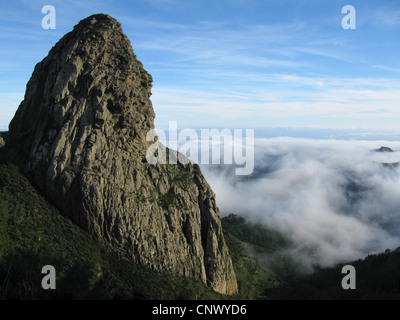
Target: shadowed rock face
(80, 135)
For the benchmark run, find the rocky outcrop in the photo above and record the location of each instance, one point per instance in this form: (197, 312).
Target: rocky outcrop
(80, 135)
(384, 149)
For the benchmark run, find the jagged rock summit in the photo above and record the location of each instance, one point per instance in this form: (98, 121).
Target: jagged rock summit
(80, 135)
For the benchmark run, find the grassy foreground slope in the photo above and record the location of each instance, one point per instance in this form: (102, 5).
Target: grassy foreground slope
(247, 241)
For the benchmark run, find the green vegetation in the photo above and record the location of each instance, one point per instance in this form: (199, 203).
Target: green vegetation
(259, 237)
(250, 246)
(377, 278)
(181, 177)
(5, 241)
(262, 244)
(252, 279)
(167, 200)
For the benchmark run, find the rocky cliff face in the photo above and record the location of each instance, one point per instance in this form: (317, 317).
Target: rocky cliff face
(80, 135)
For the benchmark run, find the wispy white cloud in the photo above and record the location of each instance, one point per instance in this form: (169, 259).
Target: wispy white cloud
(290, 97)
(219, 44)
(387, 17)
(271, 68)
(387, 68)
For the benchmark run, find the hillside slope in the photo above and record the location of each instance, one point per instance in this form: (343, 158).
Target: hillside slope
(33, 234)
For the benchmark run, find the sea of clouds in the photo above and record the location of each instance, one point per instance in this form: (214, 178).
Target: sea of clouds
(334, 200)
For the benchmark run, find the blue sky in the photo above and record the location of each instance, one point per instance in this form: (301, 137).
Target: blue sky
(234, 63)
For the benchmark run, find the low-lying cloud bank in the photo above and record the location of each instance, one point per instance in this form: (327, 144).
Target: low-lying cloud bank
(335, 200)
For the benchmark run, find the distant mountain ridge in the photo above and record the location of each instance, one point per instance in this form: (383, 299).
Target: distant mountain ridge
(384, 149)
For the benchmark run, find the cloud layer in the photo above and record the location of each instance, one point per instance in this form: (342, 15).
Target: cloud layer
(334, 200)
